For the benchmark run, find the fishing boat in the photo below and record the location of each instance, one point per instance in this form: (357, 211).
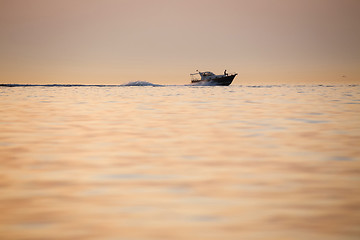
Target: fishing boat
(209, 78)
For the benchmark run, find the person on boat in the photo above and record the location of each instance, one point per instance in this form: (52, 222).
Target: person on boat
(225, 73)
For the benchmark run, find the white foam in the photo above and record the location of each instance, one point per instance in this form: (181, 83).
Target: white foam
(141, 83)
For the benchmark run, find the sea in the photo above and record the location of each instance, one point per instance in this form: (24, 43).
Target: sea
(143, 161)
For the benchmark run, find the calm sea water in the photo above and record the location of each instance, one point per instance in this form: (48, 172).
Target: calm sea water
(179, 162)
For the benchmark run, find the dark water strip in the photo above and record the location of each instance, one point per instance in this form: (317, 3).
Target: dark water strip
(137, 83)
(148, 84)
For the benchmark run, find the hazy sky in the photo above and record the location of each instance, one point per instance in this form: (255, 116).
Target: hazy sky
(162, 41)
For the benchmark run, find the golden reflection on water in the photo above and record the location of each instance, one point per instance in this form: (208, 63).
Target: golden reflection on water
(180, 162)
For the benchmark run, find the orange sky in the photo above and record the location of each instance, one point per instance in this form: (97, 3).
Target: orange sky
(162, 41)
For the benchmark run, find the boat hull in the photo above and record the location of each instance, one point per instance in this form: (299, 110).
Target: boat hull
(220, 81)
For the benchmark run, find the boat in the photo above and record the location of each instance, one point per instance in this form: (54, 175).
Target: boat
(211, 79)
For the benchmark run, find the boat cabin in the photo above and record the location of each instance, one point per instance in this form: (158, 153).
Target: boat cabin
(206, 74)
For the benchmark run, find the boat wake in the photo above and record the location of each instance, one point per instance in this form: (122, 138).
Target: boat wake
(141, 84)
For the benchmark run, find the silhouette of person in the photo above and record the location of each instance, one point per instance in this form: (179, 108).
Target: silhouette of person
(225, 73)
